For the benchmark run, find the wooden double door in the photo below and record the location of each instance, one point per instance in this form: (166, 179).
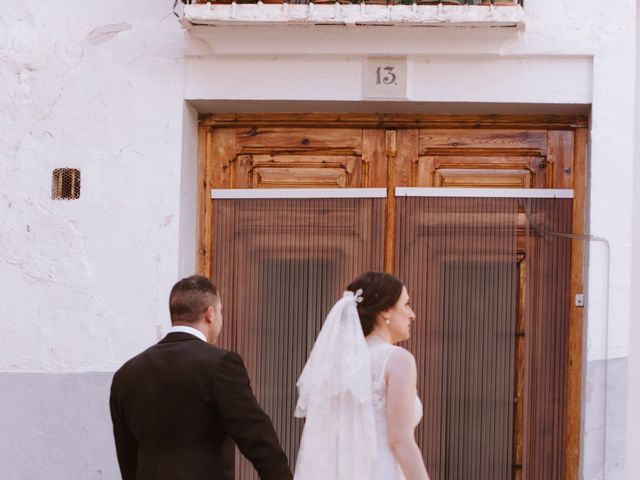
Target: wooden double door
(254, 249)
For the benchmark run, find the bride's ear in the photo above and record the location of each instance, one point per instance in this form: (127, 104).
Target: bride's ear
(385, 317)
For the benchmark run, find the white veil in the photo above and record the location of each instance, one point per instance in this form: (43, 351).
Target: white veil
(339, 438)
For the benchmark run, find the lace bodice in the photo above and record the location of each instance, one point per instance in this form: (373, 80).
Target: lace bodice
(385, 466)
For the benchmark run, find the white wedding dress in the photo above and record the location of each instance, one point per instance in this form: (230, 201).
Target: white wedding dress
(385, 466)
(342, 396)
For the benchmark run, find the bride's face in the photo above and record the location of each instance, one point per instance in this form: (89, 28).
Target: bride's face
(399, 318)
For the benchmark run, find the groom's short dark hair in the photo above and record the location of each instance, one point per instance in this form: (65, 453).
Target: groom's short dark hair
(190, 297)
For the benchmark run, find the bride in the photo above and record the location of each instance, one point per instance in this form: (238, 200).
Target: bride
(358, 390)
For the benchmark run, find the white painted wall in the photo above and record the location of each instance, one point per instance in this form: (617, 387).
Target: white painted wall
(96, 86)
(100, 86)
(633, 394)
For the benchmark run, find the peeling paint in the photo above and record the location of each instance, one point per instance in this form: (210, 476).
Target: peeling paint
(105, 33)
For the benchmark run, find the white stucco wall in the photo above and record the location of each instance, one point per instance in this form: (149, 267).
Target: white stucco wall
(633, 393)
(94, 86)
(100, 86)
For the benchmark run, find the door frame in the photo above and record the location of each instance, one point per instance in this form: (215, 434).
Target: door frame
(577, 124)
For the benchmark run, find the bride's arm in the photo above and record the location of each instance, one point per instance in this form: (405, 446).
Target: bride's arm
(401, 394)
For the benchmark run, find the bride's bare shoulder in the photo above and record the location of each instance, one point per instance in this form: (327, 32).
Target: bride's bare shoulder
(401, 360)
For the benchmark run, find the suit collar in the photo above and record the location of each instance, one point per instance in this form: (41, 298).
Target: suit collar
(187, 329)
(179, 337)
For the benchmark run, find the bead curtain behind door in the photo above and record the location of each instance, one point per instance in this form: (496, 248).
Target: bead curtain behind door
(281, 265)
(489, 279)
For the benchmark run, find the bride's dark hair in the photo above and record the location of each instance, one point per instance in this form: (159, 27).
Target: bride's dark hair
(380, 292)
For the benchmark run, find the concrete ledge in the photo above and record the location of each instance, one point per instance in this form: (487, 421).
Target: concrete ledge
(352, 14)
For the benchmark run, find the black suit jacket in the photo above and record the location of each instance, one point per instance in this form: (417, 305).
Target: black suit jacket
(178, 407)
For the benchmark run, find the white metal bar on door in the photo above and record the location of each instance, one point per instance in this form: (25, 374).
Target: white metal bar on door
(483, 192)
(250, 193)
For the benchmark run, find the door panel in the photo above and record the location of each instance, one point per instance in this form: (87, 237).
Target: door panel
(483, 140)
(252, 140)
(290, 258)
(560, 158)
(482, 177)
(480, 172)
(263, 157)
(313, 156)
(482, 158)
(300, 171)
(296, 158)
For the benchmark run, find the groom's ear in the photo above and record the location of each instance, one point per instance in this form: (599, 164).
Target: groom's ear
(209, 314)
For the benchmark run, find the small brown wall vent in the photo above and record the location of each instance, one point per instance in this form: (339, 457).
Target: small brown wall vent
(65, 184)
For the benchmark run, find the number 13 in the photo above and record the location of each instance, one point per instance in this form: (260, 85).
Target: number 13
(388, 78)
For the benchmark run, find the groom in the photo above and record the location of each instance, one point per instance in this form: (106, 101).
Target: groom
(178, 407)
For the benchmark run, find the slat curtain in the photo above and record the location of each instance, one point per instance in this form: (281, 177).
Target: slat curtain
(489, 281)
(458, 258)
(485, 274)
(281, 265)
(547, 317)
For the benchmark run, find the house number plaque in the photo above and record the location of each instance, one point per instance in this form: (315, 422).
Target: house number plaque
(385, 77)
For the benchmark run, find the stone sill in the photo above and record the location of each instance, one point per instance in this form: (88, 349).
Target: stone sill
(352, 14)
